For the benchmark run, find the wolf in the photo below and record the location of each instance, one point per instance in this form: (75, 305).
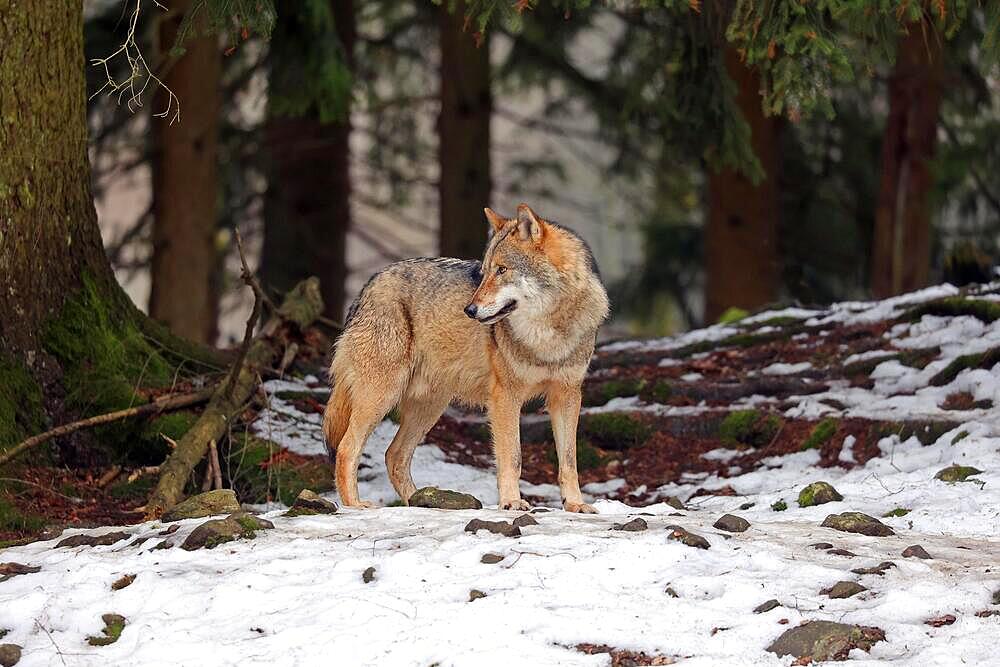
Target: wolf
(425, 332)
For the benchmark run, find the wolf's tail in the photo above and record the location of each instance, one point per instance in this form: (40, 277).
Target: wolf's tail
(336, 416)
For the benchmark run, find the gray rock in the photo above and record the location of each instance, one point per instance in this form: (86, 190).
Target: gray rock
(842, 552)
(308, 503)
(504, 528)
(524, 520)
(732, 523)
(674, 502)
(856, 522)
(688, 538)
(825, 640)
(879, 569)
(93, 540)
(821, 545)
(634, 526)
(219, 531)
(11, 570)
(915, 551)
(843, 589)
(765, 607)
(491, 559)
(996, 596)
(10, 655)
(444, 499)
(368, 576)
(671, 592)
(210, 503)
(818, 493)
(957, 473)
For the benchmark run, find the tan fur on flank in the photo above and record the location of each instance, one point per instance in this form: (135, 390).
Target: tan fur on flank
(537, 302)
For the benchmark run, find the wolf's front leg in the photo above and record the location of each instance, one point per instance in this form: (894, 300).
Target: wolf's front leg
(563, 403)
(505, 423)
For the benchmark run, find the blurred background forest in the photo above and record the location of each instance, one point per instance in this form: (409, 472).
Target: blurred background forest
(366, 131)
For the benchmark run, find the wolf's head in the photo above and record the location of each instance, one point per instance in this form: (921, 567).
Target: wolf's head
(530, 263)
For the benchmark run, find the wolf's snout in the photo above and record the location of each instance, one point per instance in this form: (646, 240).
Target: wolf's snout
(470, 310)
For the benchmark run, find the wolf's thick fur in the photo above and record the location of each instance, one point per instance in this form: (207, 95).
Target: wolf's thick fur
(425, 332)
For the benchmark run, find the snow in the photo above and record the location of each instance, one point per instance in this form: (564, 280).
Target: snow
(786, 369)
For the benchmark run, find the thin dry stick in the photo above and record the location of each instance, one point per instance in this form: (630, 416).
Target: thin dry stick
(161, 404)
(109, 476)
(206, 482)
(216, 468)
(258, 297)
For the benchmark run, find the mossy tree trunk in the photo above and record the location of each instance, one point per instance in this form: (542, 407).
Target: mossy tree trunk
(184, 294)
(464, 182)
(742, 264)
(901, 245)
(307, 208)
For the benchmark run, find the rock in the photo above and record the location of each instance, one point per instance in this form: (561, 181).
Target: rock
(524, 520)
(308, 503)
(731, 523)
(987, 613)
(124, 582)
(475, 594)
(505, 528)
(674, 502)
(687, 537)
(825, 640)
(669, 590)
(210, 503)
(856, 522)
(821, 545)
(169, 531)
(165, 544)
(11, 570)
(634, 526)
(443, 499)
(10, 655)
(996, 596)
(915, 551)
(765, 607)
(113, 626)
(940, 621)
(842, 552)
(746, 506)
(93, 540)
(368, 576)
(491, 559)
(843, 589)
(957, 473)
(219, 531)
(879, 569)
(818, 493)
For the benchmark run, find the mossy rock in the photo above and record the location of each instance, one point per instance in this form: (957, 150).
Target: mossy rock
(309, 503)
(926, 431)
(259, 476)
(444, 499)
(956, 473)
(588, 457)
(614, 430)
(843, 589)
(114, 624)
(779, 505)
(955, 306)
(825, 640)
(821, 434)
(986, 359)
(856, 522)
(210, 503)
(219, 531)
(897, 512)
(749, 428)
(818, 493)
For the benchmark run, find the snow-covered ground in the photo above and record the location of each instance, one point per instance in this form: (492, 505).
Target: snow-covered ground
(295, 595)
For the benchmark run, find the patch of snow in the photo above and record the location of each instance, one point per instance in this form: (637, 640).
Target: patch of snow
(786, 369)
(846, 454)
(692, 377)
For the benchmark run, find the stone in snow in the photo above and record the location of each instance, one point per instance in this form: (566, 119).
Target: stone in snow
(688, 538)
(214, 532)
(430, 496)
(505, 528)
(524, 520)
(818, 493)
(825, 640)
(309, 503)
(957, 473)
(93, 540)
(766, 606)
(635, 525)
(10, 655)
(731, 523)
(843, 589)
(879, 569)
(856, 522)
(915, 551)
(210, 503)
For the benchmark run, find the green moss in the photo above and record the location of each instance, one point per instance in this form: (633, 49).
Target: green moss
(749, 428)
(114, 624)
(621, 387)
(21, 410)
(661, 391)
(954, 306)
(398, 502)
(779, 506)
(899, 511)
(614, 430)
(256, 477)
(14, 520)
(986, 359)
(135, 490)
(821, 434)
(927, 432)
(959, 437)
(587, 456)
(732, 315)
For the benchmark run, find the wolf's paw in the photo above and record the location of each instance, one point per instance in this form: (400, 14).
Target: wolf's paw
(580, 508)
(362, 504)
(519, 505)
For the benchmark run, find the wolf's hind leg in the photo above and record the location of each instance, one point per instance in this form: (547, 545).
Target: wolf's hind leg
(364, 418)
(417, 416)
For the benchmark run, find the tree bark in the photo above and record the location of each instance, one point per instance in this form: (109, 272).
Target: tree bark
(49, 236)
(185, 184)
(464, 182)
(742, 264)
(902, 237)
(308, 203)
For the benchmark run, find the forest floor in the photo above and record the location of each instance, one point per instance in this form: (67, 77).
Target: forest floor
(881, 400)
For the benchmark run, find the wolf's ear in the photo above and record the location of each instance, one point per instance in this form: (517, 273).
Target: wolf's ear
(497, 221)
(529, 226)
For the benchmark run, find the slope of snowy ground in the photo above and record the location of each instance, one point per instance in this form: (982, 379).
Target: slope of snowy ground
(296, 595)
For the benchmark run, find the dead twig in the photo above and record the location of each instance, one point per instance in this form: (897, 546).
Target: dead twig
(109, 476)
(258, 297)
(157, 405)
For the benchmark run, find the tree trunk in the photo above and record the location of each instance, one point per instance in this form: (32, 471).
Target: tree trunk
(742, 265)
(463, 136)
(49, 237)
(308, 203)
(185, 185)
(901, 240)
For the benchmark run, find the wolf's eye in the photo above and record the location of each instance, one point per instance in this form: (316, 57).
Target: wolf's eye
(501, 270)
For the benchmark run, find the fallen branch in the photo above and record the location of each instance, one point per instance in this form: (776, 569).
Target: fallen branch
(258, 298)
(301, 307)
(157, 405)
